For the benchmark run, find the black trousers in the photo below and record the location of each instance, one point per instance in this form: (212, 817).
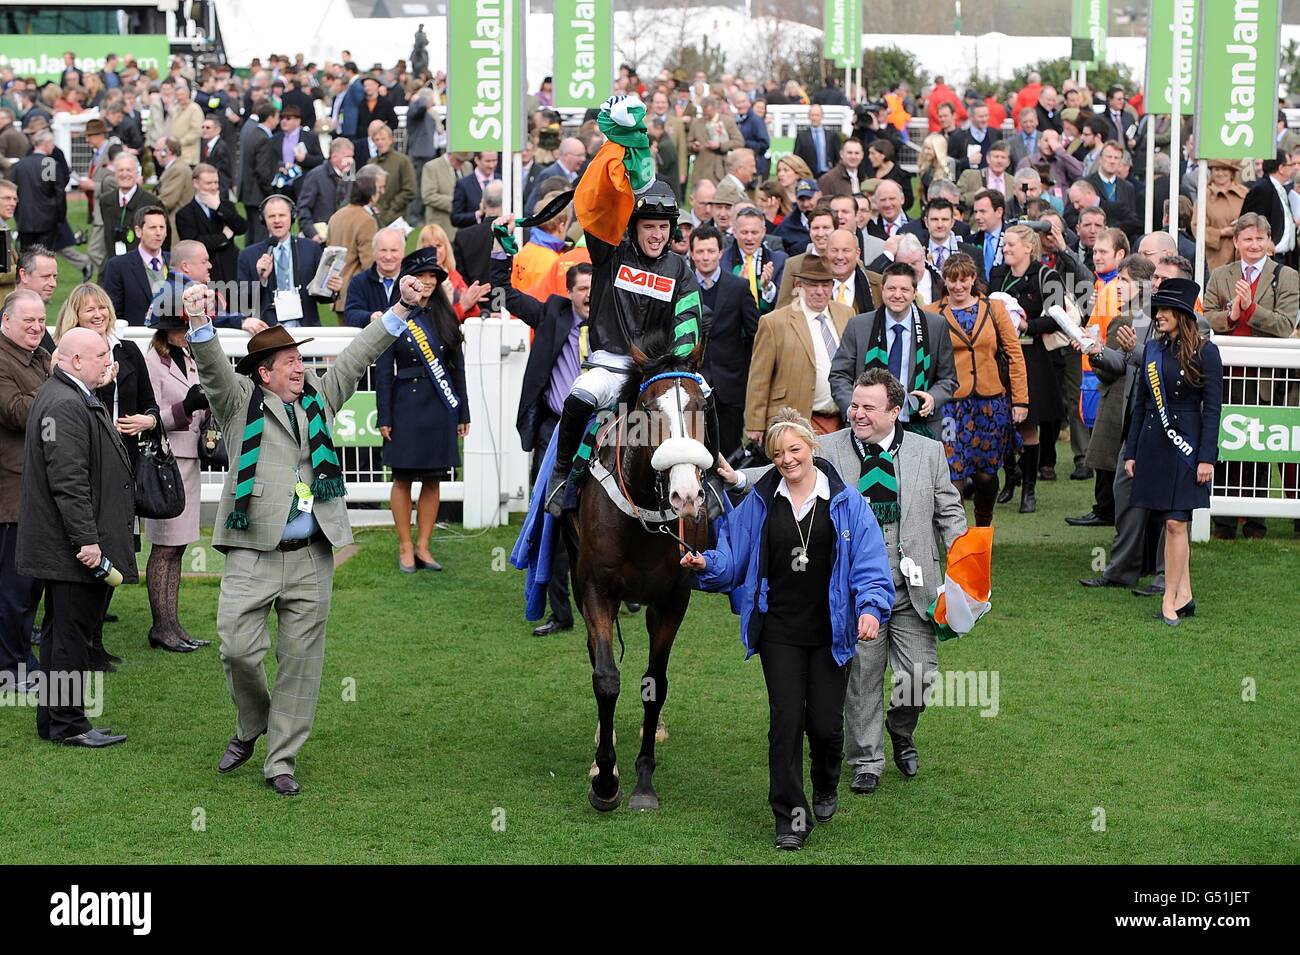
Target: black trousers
(74, 614)
(805, 694)
(1104, 494)
(19, 596)
(557, 591)
(731, 427)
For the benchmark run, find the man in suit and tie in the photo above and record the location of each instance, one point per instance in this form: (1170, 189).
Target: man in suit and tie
(325, 190)
(940, 240)
(281, 515)
(1024, 141)
(913, 345)
(438, 181)
(349, 94)
(133, 278)
(674, 129)
(816, 145)
(852, 286)
(281, 266)
(373, 290)
(890, 217)
(211, 218)
(258, 129)
(42, 206)
(996, 176)
(712, 135)
(472, 246)
(869, 245)
(469, 189)
(1118, 192)
(1120, 117)
(120, 206)
(1085, 196)
(1254, 297)
(759, 267)
(570, 159)
(190, 263)
(990, 209)
(731, 334)
(793, 348)
(1269, 198)
(752, 130)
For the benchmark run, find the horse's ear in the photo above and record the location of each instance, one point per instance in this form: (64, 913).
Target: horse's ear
(697, 354)
(638, 356)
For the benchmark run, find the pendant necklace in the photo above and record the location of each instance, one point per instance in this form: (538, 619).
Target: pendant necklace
(802, 559)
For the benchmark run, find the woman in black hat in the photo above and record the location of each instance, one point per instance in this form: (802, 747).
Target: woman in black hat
(422, 409)
(1173, 441)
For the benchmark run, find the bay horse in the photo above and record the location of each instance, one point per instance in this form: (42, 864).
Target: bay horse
(642, 503)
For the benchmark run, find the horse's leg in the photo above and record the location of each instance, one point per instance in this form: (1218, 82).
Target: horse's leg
(605, 793)
(662, 621)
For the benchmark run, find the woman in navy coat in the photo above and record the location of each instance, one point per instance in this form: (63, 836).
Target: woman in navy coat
(423, 408)
(1173, 441)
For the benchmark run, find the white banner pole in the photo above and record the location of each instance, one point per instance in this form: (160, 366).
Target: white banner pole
(1175, 127)
(1151, 171)
(1202, 173)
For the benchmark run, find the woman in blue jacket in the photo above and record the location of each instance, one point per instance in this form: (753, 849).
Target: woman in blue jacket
(805, 564)
(1173, 440)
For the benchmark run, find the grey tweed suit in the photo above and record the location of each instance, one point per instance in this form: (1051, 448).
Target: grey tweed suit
(258, 577)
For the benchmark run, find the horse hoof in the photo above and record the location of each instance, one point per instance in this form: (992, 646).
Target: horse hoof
(605, 805)
(643, 801)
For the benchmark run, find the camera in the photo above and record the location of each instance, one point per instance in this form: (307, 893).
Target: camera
(1038, 225)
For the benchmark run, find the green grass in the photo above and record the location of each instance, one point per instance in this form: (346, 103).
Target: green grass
(460, 713)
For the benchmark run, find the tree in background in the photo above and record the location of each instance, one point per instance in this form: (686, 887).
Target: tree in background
(1056, 72)
(887, 66)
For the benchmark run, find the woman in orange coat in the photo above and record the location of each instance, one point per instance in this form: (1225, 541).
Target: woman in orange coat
(977, 422)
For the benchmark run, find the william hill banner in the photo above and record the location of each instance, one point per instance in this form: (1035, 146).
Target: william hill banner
(476, 52)
(1236, 105)
(584, 52)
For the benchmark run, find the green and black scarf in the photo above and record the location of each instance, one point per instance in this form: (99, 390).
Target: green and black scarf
(324, 457)
(879, 480)
(877, 355)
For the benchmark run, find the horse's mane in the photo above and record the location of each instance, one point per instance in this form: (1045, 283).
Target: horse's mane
(657, 347)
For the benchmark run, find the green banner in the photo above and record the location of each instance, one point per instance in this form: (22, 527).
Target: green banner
(1089, 20)
(584, 52)
(842, 32)
(42, 56)
(1236, 109)
(1255, 433)
(355, 425)
(1171, 21)
(476, 44)
(780, 146)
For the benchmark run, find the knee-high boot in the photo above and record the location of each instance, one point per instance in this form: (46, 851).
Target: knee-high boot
(572, 426)
(986, 491)
(1028, 479)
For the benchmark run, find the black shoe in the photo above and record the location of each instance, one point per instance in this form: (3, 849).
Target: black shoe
(1089, 520)
(1081, 472)
(284, 784)
(180, 646)
(865, 783)
(1047, 473)
(1028, 502)
(110, 618)
(1173, 621)
(101, 664)
(551, 626)
(427, 564)
(1188, 609)
(789, 841)
(904, 754)
(824, 805)
(1150, 590)
(237, 754)
(1101, 582)
(1009, 490)
(92, 739)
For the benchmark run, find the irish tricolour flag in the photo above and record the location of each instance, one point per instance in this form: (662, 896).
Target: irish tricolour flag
(964, 596)
(618, 173)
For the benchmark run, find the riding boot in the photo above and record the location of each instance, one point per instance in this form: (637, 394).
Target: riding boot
(986, 490)
(1029, 479)
(572, 427)
(1013, 477)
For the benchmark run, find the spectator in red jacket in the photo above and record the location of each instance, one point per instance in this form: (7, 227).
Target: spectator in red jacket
(942, 93)
(1028, 96)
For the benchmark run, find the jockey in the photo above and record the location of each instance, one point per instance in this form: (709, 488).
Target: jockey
(639, 285)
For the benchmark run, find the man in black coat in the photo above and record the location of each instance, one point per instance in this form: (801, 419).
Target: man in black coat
(472, 247)
(76, 512)
(467, 195)
(214, 151)
(970, 146)
(257, 129)
(133, 278)
(42, 206)
(269, 162)
(554, 361)
(1267, 197)
(1118, 193)
(731, 335)
(213, 220)
(325, 190)
(119, 208)
(816, 145)
(281, 266)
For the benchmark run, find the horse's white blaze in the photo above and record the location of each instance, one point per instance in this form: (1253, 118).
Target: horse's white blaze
(680, 455)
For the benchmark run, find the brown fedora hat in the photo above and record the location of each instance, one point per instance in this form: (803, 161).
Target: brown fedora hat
(813, 269)
(96, 127)
(273, 339)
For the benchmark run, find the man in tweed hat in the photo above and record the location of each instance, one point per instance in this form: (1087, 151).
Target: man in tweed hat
(280, 517)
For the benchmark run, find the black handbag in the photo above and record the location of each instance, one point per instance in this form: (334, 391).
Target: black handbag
(159, 490)
(212, 445)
